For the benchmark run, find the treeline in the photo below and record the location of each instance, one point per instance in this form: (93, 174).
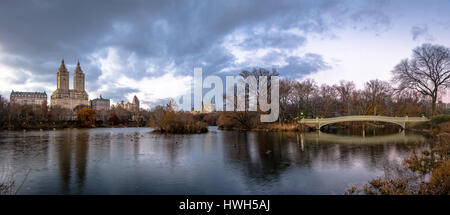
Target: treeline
(308, 99)
(14, 116)
(418, 80)
(27, 116)
(297, 99)
(163, 118)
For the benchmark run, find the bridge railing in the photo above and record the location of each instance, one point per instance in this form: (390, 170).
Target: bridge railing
(364, 118)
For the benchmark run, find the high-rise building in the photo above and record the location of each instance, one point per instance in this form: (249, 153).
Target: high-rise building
(78, 79)
(70, 98)
(135, 103)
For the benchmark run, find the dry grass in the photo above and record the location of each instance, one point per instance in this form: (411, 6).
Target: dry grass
(444, 128)
(280, 127)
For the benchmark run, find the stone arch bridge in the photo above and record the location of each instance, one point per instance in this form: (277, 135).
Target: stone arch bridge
(401, 121)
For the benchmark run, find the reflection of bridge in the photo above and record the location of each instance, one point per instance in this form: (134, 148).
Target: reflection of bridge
(319, 122)
(333, 138)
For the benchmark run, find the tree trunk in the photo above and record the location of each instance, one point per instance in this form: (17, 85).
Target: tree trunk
(433, 105)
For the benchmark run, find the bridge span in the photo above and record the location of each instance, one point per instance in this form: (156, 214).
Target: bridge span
(401, 121)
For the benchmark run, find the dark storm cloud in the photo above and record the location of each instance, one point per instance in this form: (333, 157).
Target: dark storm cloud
(371, 14)
(162, 33)
(274, 41)
(307, 64)
(420, 32)
(117, 93)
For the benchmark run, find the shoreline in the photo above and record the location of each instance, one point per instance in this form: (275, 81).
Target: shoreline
(298, 128)
(270, 128)
(48, 128)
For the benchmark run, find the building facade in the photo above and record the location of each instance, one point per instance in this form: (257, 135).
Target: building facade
(133, 107)
(28, 98)
(100, 104)
(70, 98)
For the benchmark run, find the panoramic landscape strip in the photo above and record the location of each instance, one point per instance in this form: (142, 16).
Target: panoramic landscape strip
(224, 106)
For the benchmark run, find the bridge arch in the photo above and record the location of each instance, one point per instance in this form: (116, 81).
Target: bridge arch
(392, 122)
(401, 121)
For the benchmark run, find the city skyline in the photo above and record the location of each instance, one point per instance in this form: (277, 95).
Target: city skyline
(138, 48)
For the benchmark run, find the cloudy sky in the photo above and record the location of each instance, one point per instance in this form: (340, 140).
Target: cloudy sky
(149, 48)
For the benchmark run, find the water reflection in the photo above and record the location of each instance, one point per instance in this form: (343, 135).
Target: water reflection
(71, 149)
(136, 161)
(380, 139)
(64, 155)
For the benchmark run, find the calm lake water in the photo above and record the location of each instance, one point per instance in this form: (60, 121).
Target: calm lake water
(137, 161)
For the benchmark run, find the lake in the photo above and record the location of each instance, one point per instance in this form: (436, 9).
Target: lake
(137, 161)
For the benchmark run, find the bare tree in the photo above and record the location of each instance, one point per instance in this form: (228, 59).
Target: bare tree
(327, 101)
(254, 86)
(303, 95)
(344, 90)
(285, 92)
(376, 92)
(426, 72)
(156, 117)
(57, 114)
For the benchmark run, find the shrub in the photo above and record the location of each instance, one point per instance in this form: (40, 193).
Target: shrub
(440, 119)
(167, 120)
(211, 118)
(440, 181)
(86, 117)
(244, 120)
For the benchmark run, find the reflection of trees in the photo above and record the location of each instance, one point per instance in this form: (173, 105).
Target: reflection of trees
(172, 146)
(136, 140)
(260, 155)
(371, 155)
(264, 156)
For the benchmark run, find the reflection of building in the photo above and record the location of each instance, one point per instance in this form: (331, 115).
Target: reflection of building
(72, 150)
(99, 104)
(69, 98)
(28, 98)
(133, 107)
